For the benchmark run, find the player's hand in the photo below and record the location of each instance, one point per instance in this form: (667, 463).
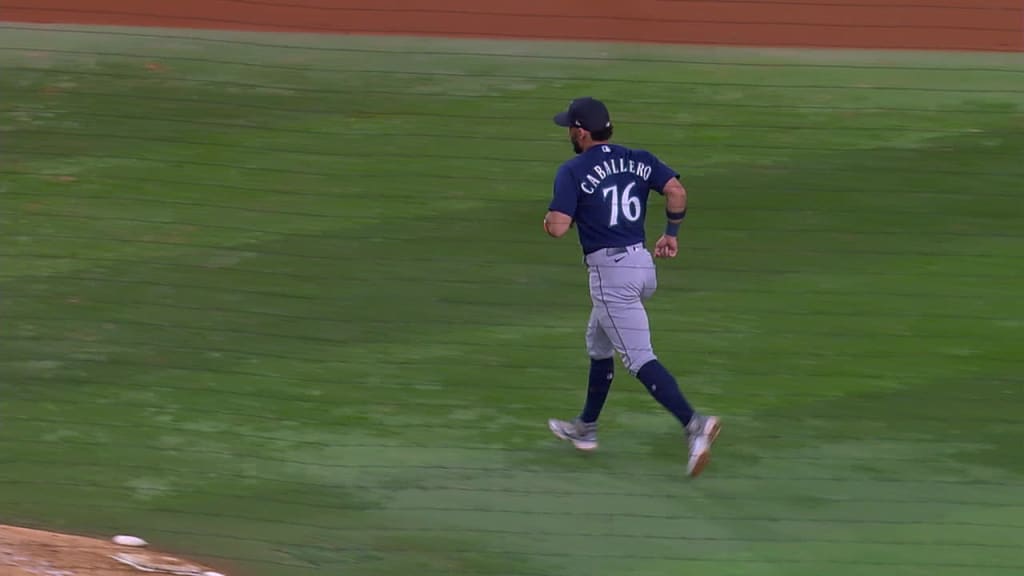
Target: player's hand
(667, 247)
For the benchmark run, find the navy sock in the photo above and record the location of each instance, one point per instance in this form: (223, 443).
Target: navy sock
(601, 372)
(662, 385)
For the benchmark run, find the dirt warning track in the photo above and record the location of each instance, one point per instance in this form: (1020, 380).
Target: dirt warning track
(986, 25)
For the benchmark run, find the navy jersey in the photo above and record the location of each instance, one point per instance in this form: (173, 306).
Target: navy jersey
(605, 191)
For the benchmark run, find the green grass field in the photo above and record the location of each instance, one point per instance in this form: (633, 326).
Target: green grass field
(285, 303)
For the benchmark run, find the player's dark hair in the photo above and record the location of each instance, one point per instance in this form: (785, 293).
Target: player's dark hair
(602, 134)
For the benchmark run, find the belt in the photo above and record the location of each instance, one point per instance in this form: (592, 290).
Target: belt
(613, 251)
(623, 249)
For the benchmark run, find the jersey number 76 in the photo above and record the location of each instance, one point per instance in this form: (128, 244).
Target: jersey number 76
(630, 205)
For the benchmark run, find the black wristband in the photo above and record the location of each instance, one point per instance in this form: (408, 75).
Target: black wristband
(675, 215)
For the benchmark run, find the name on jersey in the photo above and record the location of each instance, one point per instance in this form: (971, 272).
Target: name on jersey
(611, 167)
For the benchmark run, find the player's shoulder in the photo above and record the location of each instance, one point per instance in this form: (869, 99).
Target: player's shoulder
(567, 174)
(572, 165)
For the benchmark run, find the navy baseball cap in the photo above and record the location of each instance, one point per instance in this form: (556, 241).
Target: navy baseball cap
(587, 113)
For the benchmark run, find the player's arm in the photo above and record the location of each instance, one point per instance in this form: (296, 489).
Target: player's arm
(562, 208)
(675, 206)
(666, 181)
(556, 223)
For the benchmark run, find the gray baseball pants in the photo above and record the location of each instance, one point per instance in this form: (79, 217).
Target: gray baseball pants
(620, 280)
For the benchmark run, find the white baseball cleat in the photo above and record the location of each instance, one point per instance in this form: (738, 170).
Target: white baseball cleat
(703, 434)
(582, 435)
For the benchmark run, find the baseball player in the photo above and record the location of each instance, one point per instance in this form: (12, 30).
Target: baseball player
(603, 190)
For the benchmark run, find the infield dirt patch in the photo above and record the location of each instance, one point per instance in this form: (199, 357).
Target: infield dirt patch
(28, 552)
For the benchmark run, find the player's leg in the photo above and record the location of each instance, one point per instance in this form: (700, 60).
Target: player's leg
(619, 294)
(582, 431)
(629, 328)
(602, 369)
